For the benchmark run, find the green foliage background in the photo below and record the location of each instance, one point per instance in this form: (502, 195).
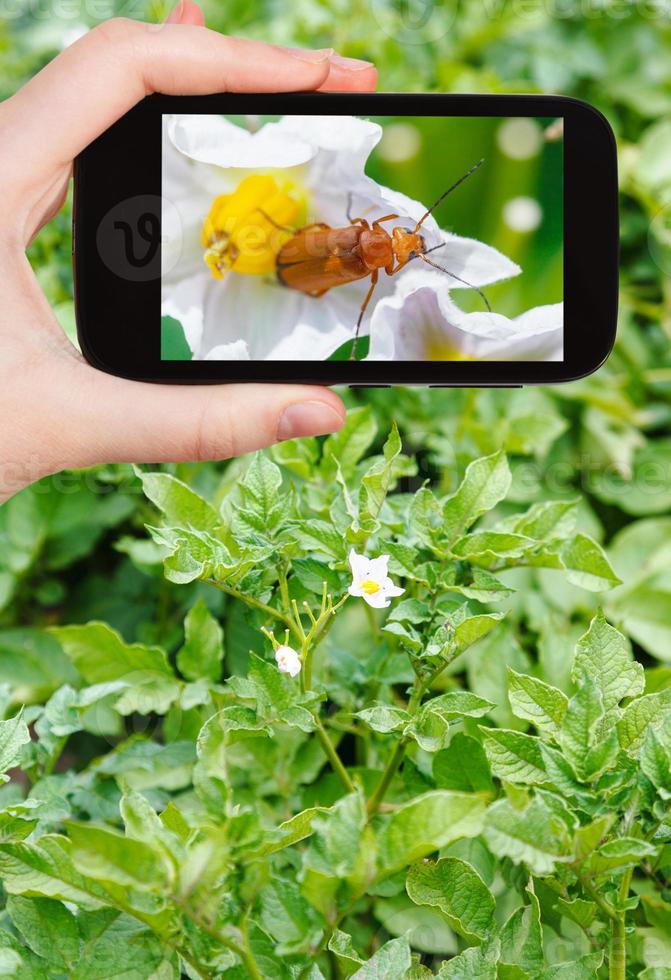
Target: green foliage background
(498, 804)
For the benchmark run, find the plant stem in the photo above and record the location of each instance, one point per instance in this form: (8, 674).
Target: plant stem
(333, 756)
(617, 960)
(396, 757)
(617, 965)
(256, 604)
(394, 762)
(598, 899)
(243, 952)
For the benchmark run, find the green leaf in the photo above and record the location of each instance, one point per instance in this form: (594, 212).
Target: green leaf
(604, 654)
(203, 649)
(425, 517)
(486, 482)
(349, 445)
(45, 867)
(107, 855)
(264, 506)
(535, 701)
(117, 945)
(656, 757)
(413, 611)
(585, 743)
(336, 835)
(289, 832)
(588, 837)
(431, 723)
(100, 654)
(578, 911)
(487, 546)
(586, 968)
(13, 734)
(180, 505)
(321, 537)
(514, 756)
(462, 766)
(522, 938)
(195, 554)
(586, 564)
(548, 519)
(341, 944)
(287, 917)
(623, 852)
(476, 963)
(454, 887)
(174, 345)
(312, 574)
(425, 824)
(384, 718)
(48, 928)
(391, 962)
(376, 483)
(638, 714)
(533, 836)
(641, 605)
(297, 455)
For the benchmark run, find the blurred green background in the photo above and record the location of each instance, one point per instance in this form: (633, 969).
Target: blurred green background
(514, 201)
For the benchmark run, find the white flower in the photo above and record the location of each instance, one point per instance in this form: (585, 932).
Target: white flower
(371, 581)
(299, 170)
(420, 322)
(288, 661)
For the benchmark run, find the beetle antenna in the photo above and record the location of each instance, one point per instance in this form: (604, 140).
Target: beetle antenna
(447, 271)
(445, 193)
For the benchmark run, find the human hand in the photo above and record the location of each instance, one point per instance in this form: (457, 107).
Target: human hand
(59, 412)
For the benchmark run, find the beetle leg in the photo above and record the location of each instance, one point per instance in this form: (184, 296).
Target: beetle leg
(274, 223)
(387, 217)
(373, 283)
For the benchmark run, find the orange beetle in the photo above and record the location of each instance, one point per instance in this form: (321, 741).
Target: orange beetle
(318, 257)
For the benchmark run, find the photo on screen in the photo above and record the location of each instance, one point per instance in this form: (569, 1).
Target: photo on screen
(303, 238)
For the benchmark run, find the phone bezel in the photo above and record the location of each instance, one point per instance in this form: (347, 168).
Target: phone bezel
(116, 325)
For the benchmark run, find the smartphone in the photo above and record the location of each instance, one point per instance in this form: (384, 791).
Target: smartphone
(346, 238)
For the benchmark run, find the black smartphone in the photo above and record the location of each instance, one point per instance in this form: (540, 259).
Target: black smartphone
(339, 238)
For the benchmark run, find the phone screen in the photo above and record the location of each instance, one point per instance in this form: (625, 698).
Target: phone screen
(381, 238)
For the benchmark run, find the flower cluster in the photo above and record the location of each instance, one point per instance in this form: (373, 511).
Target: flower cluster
(370, 581)
(232, 199)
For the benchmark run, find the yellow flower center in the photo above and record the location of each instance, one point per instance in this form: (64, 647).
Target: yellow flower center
(370, 587)
(439, 350)
(245, 230)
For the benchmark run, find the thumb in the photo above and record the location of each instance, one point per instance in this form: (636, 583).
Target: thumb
(100, 418)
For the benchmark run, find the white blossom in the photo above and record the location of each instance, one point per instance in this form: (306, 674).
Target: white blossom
(421, 322)
(370, 580)
(288, 661)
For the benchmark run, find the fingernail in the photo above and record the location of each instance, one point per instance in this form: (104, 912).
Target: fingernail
(175, 14)
(311, 418)
(315, 56)
(349, 64)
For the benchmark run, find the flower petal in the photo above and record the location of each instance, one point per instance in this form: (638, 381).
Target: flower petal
(237, 351)
(359, 565)
(377, 568)
(215, 140)
(421, 322)
(377, 600)
(472, 261)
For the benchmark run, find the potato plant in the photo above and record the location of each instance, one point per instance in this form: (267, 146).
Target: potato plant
(349, 761)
